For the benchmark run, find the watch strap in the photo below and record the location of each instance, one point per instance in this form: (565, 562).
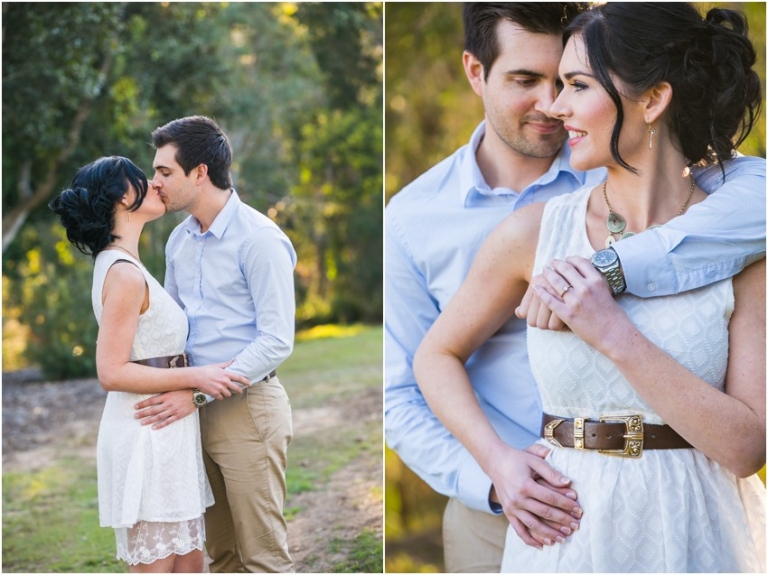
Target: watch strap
(615, 279)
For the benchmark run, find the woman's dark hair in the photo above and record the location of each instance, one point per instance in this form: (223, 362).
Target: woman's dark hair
(482, 18)
(716, 95)
(87, 208)
(199, 140)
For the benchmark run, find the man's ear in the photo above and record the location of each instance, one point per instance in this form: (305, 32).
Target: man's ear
(475, 72)
(657, 100)
(201, 172)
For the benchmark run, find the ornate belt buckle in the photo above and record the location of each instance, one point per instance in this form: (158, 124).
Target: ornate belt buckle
(633, 438)
(549, 431)
(578, 433)
(172, 363)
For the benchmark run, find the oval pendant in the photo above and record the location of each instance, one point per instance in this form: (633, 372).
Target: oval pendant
(609, 241)
(616, 223)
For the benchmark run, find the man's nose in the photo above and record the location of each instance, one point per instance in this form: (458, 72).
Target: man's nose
(546, 97)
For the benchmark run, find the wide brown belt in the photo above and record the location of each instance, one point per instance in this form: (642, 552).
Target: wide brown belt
(167, 362)
(171, 361)
(622, 435)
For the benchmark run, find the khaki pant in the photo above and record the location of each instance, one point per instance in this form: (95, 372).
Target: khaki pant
(473, 541)
(245, 438)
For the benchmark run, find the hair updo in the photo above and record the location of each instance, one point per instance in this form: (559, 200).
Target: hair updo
(87, 208)
(716, 95)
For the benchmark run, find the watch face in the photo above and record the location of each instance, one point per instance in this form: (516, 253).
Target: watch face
(200, 399)
(604, 258)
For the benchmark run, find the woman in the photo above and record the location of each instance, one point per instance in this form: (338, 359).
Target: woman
(153, 489)
(649, 89)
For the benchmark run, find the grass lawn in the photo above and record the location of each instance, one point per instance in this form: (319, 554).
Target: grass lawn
(50, 517)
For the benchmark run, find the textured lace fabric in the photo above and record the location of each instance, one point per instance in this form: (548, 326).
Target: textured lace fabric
(152, 485)
(146, 542)
(670, 510)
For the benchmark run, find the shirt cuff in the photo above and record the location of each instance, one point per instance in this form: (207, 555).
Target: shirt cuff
(475, 487)
(646, 266)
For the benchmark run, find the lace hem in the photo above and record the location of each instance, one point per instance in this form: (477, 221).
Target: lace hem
(149, 541)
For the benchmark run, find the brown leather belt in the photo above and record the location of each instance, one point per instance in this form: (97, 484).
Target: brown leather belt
(167, 362)
(171, 361)
(622, 435)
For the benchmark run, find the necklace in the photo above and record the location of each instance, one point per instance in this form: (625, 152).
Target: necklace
(126, 251)
(616, 224)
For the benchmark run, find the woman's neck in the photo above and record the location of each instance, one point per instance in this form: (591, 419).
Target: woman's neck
(660, 191)
(128, 234)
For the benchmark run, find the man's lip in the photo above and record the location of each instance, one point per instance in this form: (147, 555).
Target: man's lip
(546, 128)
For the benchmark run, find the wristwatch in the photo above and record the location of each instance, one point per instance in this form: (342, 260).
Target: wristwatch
(607, 263)
(198, 397)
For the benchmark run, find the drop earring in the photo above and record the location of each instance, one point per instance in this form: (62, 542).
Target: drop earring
(651, 131)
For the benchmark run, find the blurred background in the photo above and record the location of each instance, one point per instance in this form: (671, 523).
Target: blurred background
(430, 111)
(298, 89)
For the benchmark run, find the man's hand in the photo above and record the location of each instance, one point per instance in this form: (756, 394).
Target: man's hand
(537, 500)
(537, 314)
(164, 409)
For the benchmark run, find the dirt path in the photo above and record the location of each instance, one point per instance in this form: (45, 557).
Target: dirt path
(43, 422)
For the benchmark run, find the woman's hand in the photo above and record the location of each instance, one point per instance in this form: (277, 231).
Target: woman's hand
(579, 294)
(533, 497)
(214, 380)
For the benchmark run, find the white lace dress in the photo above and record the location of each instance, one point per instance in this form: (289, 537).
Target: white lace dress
(153, 489)
(670, 510)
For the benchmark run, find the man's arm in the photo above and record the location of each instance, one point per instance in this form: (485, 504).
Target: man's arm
(712, 241)
(411, 429)
(268, 263)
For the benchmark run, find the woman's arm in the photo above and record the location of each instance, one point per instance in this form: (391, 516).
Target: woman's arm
(485, 301)
(124, 296)
(728, 427)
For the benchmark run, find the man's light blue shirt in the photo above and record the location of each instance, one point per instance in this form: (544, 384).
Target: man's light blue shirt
(235, 283)
(433, 230)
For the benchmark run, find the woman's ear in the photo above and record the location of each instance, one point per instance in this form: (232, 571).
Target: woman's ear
(657, 100)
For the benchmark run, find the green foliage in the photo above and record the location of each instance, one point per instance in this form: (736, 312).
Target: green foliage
(56, 303)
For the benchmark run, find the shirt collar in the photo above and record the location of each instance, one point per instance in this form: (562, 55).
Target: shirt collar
(473, 182)
(220, 223)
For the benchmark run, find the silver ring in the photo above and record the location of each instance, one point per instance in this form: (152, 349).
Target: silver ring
(565, 290)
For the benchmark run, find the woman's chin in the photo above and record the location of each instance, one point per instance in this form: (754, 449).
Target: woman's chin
(584, 162)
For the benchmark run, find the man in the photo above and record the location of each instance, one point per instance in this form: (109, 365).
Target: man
(516, 157)
(231, 270)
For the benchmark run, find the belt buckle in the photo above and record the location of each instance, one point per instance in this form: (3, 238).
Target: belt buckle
(633, 438)
(549, 431)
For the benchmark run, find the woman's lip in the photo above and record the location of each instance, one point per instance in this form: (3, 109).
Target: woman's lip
(572, 138)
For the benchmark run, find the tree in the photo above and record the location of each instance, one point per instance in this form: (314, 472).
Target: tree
(48, 90)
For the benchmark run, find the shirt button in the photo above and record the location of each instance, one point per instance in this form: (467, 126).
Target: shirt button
(651, 286)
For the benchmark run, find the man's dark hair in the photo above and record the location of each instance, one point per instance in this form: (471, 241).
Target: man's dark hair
(481, 20)
(199, 140)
